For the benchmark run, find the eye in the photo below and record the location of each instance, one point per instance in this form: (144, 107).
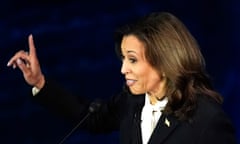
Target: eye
(132, 60)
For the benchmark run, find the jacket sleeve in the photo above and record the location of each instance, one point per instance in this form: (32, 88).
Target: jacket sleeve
(75, 108)
(61, 102)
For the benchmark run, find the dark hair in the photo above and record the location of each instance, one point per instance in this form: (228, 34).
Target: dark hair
(171, 49)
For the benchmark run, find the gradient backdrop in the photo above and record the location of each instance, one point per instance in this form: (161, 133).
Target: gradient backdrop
(74, 41)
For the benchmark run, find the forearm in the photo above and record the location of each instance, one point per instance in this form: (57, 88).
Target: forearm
(61, 102)
(74, 108)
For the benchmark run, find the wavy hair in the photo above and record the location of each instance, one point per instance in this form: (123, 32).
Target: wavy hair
(171, 49)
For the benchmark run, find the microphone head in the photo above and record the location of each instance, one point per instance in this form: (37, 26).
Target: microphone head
(95, 106)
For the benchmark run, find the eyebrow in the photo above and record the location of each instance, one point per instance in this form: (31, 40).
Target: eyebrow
(131, 51)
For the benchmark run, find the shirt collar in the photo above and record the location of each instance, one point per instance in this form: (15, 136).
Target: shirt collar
(160, 105)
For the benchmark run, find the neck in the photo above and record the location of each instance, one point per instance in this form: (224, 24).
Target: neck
(159, 93)
(154, 99)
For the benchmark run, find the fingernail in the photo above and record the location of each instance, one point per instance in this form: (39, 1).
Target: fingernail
(8, 64)
(19, 61)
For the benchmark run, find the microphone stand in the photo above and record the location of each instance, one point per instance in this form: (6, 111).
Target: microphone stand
(94, 106)
(86, 116)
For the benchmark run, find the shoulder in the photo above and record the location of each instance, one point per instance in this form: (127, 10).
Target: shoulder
(207, 108)
(212, 122)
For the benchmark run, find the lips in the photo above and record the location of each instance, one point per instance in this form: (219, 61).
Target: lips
(130, 82)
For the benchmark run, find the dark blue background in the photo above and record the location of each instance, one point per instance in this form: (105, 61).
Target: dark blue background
(75, 47)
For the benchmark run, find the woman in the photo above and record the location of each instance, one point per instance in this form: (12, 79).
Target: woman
(168, 97)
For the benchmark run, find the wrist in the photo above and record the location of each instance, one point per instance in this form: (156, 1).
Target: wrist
(40, 83)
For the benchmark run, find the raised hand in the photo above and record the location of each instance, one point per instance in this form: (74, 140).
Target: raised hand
(28, 63)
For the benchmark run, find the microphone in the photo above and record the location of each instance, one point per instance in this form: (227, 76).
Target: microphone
(94, 107)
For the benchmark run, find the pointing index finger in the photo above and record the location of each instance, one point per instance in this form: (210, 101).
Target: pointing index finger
(32, 49)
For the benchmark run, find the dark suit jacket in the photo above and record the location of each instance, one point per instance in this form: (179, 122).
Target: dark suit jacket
(122, 112)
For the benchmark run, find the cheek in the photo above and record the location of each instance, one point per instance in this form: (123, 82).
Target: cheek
(143, 80)
(150, 81)
(141, 85)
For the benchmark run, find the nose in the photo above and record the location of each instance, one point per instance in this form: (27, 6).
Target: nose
(124, 68)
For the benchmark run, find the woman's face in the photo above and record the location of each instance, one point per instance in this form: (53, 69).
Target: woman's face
(140, 76)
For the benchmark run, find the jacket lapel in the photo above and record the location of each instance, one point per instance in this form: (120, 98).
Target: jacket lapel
(137, 138)
(165, 126)
(137, 109)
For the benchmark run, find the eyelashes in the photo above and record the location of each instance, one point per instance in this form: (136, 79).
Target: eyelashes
(130, 59)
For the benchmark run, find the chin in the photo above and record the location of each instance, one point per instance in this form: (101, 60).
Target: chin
(136, 92)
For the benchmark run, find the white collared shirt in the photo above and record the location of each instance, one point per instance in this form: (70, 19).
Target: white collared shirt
(150, 116)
